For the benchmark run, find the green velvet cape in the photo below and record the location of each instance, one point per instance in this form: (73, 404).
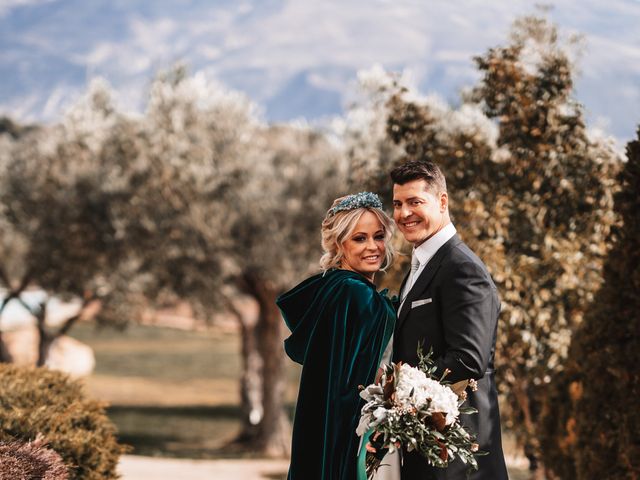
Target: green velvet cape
(339, 326)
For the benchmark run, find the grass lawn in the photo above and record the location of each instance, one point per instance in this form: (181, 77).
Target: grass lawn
(175, 393)
(172, 393)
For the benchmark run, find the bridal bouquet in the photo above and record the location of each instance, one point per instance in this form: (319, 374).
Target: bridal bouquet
(409, 408)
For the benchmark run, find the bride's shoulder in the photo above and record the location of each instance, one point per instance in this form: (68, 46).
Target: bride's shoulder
(350, 279)
(353, 287)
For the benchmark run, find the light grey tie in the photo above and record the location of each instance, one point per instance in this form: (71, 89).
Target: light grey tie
(415, 265)
(413, 274)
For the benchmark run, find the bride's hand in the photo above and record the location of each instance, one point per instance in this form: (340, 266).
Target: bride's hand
(370, 448)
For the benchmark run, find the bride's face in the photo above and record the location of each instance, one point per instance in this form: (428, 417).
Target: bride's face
(364, 249)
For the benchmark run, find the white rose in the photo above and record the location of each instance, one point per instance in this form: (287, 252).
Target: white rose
(416, 390)
(379, 415)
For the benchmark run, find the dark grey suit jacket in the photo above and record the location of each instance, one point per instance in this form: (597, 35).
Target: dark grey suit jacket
(456, 315)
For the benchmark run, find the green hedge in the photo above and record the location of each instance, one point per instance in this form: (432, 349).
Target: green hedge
(598, 436)
(37, 401)
(557, 433)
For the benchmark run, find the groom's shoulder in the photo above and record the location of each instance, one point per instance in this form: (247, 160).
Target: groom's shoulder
(461, 255)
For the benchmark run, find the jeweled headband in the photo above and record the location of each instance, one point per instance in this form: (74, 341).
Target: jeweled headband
(357, 200)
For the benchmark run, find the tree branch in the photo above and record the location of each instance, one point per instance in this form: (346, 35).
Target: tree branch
(229, 305)
(6, 300)
(25, 281)
(40, 314)
(14, 293)
(66, 326)
(27, 307)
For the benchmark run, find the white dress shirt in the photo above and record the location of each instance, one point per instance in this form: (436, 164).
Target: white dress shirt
(390, 468)
(425, 252)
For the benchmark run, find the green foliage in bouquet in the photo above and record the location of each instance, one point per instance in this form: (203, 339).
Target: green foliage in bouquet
(39, 403)
(409, 408)
(599, 433)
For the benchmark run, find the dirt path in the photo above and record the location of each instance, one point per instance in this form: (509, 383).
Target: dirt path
(147, 468)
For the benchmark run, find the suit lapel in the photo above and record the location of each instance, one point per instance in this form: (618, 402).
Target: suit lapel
(425, 278)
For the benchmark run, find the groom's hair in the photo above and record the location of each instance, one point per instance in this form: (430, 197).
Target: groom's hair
(420, 170)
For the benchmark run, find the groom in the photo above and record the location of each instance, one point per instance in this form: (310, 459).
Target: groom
(449, 303)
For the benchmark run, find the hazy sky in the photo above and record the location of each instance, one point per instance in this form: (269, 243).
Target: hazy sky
(297, 58)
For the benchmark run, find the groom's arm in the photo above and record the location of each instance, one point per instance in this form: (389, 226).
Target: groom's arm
(469, 316)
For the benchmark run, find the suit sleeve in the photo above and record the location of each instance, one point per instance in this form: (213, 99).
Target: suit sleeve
(469, 311)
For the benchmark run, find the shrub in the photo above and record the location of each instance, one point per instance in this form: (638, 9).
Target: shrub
(37, 401)
(608, 348)
(557, 432)
(598, 434)
(26, 461)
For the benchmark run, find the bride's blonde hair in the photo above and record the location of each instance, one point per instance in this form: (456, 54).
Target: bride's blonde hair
(337, 226)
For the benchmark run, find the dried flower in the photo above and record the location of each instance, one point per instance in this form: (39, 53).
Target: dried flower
(20, 460)
(408, 408)
(357, 200)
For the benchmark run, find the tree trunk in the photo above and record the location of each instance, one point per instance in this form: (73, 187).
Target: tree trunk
(531, 447)
(271, 435)
(44, 338)
(5, 356)
(251, 379)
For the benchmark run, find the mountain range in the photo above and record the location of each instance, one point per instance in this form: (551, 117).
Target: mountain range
(298, 59)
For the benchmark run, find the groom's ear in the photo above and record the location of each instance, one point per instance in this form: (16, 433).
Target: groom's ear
(443, 198)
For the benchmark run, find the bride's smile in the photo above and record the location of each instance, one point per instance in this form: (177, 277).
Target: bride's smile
(364, 249)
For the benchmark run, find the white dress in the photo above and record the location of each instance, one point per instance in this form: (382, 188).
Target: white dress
(390, 467)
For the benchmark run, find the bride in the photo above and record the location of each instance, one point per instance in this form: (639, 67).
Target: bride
(340, 328)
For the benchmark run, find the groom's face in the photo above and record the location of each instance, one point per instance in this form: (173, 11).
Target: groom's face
(419, 213)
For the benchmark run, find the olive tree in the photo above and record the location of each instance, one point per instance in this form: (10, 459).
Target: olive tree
(10, 244)
(225, 205)
(196, 200)
(276, 234)
(70, 193)
(56, 195)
